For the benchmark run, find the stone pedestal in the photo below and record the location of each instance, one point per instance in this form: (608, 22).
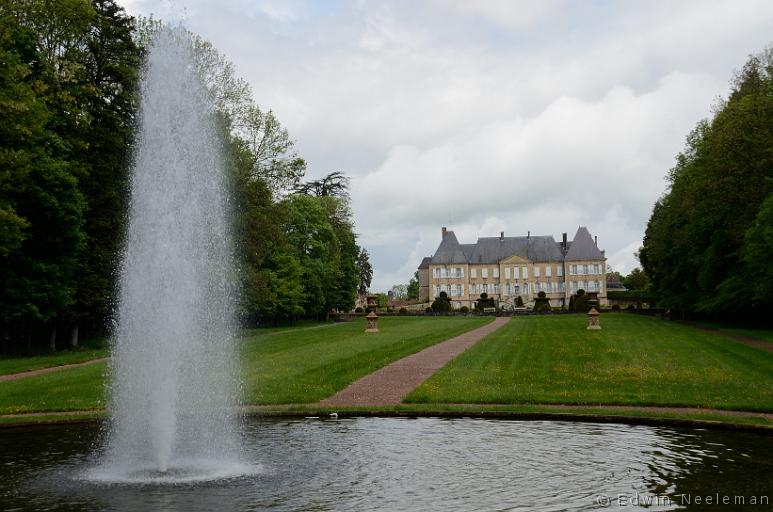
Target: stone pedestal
(372, 319)
(593, 320)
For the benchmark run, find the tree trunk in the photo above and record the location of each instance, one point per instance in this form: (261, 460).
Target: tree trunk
(52, 339)
(74, 336)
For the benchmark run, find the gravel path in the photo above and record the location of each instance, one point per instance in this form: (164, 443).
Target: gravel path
(390, 384)
(43, 371)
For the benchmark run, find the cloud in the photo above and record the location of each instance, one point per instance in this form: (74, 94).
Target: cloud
(486, 116)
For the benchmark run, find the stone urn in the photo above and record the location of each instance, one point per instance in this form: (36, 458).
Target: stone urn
(372, 320)
(593, 320)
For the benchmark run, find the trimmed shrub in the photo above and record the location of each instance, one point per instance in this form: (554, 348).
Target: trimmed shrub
(428, 310)
(484, 302)
(464, 309)
(403, 311)
(615, 307)
(359, 310)
(442, 304)
(518, 302)
(542, 303)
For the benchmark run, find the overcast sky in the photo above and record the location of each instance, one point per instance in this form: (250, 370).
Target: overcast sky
(485, 116)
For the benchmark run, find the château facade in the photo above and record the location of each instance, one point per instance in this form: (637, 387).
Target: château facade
(508, 267)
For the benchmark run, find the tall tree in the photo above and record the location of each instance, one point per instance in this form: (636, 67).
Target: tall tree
(695, 247)
(364, 271)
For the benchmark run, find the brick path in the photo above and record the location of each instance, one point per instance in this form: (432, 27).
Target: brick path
(390, 384)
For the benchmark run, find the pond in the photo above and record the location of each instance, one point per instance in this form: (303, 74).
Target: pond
(414, 464)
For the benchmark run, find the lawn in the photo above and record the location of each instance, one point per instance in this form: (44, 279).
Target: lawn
(14, 364)
(293, 366)
(305, 366)
(634, 360)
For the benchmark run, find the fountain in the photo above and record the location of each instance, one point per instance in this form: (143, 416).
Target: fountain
(174, 369)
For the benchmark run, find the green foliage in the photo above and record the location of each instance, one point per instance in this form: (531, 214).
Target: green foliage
(519, 302)
(364, 271)
(542, 303)
(403, 311)
(441, 304)
(484, 301)
(413, 287)
(68, 101)
(464, 309)
(636, 280)
(705, 244)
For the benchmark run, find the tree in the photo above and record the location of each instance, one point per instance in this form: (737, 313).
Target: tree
(335, 184)
(636, 280)
(40, 204)
(413, 287)
(695, 246)
(400, 291)
(364, 271)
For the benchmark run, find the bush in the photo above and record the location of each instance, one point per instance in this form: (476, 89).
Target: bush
(484, 302)
(428, 310)
(615, 307)
(542, 303)
(442, 304)
(403, 311)
(631, 307)
(518, 302)
(542, 307)
(359, 310)
(464, 309)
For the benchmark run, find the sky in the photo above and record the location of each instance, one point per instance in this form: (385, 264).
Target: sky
(485, 116)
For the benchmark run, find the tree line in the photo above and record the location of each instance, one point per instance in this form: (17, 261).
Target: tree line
(708, 244)
(69, 74)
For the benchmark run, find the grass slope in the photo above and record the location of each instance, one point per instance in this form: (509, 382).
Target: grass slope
(15, 364)
(295, 366)
(634, 360)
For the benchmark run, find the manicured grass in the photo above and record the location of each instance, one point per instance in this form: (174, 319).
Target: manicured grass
(66, 390)
(300, 365)
(10, 364)
(634, 360)
(305, 366)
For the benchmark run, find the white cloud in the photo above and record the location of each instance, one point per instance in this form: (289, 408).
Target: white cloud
(486, 116)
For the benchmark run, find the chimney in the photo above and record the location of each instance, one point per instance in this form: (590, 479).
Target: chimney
(596, 240)
(563, 242)
(443, 232)
(501, 236)
(528, 234)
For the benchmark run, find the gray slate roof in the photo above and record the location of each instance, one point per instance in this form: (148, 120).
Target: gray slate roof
(449, 250)
(532, 248)
(583, 247)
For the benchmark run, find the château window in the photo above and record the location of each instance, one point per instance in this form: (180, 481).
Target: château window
(548, 270)
(484, 273)
(496, 271)
(536, 271)
(473, 272)
(560, 270)
(485, 287)
(507, 272)
(525, 272)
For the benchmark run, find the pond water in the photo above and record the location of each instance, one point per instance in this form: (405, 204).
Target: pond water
(414, 464)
